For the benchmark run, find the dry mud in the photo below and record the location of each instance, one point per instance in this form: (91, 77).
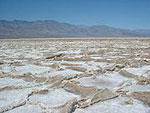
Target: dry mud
(75, 76)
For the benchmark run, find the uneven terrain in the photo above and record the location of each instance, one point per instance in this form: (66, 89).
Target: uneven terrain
(75, 76)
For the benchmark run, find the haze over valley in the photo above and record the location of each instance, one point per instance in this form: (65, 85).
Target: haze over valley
(53, 29)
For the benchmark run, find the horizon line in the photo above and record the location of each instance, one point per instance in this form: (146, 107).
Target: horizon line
(11, 20)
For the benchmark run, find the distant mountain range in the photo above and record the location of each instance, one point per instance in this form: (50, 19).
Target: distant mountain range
(52, 29)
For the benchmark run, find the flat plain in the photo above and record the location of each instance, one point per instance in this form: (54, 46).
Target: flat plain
(75, 76)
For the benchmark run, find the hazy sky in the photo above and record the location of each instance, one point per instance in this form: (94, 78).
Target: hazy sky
(132, 14)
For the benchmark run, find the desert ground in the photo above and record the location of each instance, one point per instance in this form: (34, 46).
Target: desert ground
(75, 76)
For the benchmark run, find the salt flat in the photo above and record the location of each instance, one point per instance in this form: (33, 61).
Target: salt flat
(75, 75)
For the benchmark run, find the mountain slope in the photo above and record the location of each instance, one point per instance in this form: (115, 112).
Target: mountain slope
(50, 28)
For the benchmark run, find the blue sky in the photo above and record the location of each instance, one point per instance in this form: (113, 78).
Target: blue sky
(131, 14)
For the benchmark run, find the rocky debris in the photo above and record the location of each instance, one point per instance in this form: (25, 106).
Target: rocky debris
(2, 75)
(65, 59)
(55, 56)
(113, 67)
(121, 61)
(55, 65)
(31, 78)
(101, 60)
(1, 63)
(128, 62)
(71, 77)
(102, 95)
(143, 80)
(85, 56)
(56, 82)
(11, 88)
(68, 107)
(83, 103)
(105, 60)
(127, 74)
(81, 69)
(44, 91)
(146, 60)
(55, 79)
(69, 64)
(88, 73)
(71, 59)
(143, 96)
(45, 108)
(92, 93)
(120, 66)
(17, 63)
(129, 102)
(145, 56)
(84, 91)
(125, 84)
